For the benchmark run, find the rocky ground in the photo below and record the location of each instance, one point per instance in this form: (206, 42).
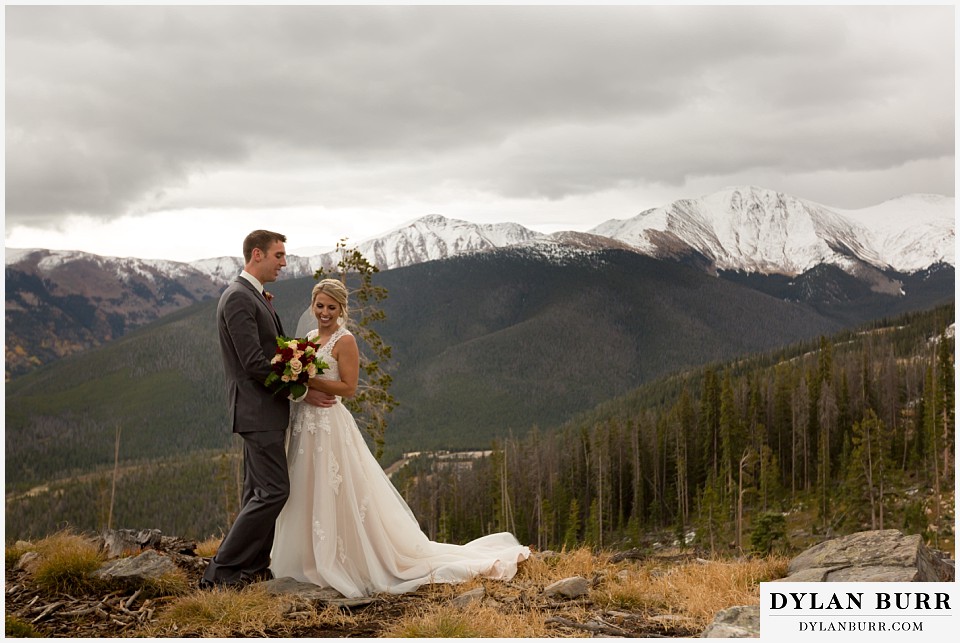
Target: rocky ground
(132, 612)
(562, 604)
(126, 614)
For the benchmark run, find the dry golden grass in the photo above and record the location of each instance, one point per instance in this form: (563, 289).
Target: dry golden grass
(65, 561)
(477, 620)
(545, 570)
(695, 589)
(208, 547)
(19, 629)
(226, 613)
(691, 590)
(173, 583)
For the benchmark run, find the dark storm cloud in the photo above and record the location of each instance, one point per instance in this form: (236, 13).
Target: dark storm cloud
(109, 108)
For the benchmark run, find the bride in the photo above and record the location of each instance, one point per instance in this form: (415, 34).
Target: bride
(344, 525)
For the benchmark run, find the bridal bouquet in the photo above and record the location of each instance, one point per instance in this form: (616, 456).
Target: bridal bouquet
(295, 362)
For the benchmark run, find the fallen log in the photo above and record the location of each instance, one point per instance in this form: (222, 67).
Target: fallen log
(630, 554)
(590, 626)
(49, 608)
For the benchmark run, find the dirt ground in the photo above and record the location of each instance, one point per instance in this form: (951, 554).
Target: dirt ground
(125, 613)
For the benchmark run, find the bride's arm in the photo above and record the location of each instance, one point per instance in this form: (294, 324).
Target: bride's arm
(348, 359)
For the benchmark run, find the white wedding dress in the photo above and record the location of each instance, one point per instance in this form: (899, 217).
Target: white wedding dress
(345, 526)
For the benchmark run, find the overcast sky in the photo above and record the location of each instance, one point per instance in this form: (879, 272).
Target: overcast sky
(171, 132)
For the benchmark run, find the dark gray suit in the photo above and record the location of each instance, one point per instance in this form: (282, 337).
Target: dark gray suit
(248, 339)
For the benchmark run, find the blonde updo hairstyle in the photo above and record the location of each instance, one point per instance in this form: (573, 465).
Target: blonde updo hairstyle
(335, 289)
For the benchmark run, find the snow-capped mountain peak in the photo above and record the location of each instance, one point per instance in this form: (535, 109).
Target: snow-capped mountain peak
(753, 229)
(124, 268)
(437, 237)
(747, 229)
(911, 232)
(427, 238)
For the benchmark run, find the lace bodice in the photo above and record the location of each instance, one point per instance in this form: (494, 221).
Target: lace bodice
(326, 352)
(301, 413)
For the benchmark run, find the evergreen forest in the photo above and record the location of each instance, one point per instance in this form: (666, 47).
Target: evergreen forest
(844, 434)
(850, 432)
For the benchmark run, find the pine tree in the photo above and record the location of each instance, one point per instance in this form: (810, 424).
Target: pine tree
(547, 523)
(770, 487)
(827, 412)
(571, 538)
(870, 470)
(710, 422)
(800, 404)
(947, 402)
(685, 423)
(938, 422)
(745, 486)
(712, 513)
(731, 443)
(638, 506)
(782, 422)
(593, 535)
(372, 402)
(769, 530)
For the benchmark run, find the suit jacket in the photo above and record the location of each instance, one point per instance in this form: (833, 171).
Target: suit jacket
(248, 340)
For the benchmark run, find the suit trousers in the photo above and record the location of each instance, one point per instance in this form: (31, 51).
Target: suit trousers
(245, 550)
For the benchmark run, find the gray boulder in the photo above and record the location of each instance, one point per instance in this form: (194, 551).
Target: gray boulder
(885, 555)
(739, 622)
(292, 588)
(117, 542)
(573, 587)
(149, 565)
(467, 598)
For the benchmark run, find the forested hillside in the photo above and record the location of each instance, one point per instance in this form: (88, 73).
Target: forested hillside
(63, 303)
(160, 385)
(849, 432)
(482, 345)
(490, 344)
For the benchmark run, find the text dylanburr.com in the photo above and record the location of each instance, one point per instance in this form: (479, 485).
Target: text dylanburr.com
(856, 611)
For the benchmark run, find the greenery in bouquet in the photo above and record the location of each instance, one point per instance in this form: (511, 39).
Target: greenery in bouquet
(294, 363)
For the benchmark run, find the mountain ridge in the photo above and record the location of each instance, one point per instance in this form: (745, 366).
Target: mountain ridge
(750, 229)
(758, 230)
(485, 345)
(61, 302)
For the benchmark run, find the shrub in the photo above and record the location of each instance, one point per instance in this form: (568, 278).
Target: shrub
(65, 563)
(174, 583)
(227, 613)
(696, 590)
(473, 621)
(769, 531)
(208, 548)
(18, 629)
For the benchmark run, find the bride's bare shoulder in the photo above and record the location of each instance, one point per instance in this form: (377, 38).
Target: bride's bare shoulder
(346, 340)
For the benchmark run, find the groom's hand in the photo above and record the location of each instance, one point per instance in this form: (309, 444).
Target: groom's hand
(319, 398)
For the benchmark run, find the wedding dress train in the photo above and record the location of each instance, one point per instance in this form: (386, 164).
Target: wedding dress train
(345, 526)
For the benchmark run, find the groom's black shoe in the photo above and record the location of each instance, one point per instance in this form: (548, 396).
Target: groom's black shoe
(207, 585)
(256, 577)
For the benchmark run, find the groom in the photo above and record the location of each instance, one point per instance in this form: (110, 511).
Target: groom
(249, 328)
